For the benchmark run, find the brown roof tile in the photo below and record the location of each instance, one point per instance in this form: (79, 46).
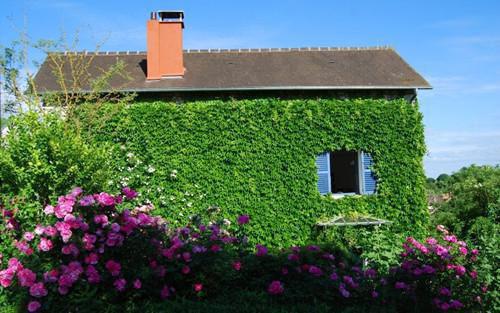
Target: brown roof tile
(257, 69)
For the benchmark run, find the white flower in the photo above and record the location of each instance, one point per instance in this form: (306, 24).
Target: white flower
(173, 174)
(189, 204)
(226, 222)
(151, 169)
(130, 155)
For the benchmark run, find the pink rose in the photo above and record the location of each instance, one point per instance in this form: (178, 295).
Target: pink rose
(275, 287)
(33, 306)
(45, 245)
(113, 267)
(198, 287)
(38, 290)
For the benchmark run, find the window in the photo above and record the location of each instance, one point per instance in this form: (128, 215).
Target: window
(345, 172)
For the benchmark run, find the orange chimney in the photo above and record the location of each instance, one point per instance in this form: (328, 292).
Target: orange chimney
(164, 40)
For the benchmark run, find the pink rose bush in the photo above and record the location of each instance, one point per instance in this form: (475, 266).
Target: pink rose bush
(101, 242)
(440, 269)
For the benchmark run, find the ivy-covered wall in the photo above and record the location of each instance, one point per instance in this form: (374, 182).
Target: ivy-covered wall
(257, 157)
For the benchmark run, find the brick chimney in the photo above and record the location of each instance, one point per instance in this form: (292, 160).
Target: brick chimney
(164, 44)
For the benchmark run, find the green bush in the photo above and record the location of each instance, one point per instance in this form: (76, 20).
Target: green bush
(258, 156)
(41, 158)
(41, 148)
(473, 212)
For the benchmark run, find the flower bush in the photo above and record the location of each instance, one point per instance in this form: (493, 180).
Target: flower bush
(96, 245)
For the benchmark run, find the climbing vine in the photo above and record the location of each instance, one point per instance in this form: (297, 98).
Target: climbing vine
(258, 157)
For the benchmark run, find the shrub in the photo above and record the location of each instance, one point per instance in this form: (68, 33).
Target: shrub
(40, 148)
(95, 249)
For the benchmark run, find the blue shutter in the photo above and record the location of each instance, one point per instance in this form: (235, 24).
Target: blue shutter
(369, 179)
(323, 165)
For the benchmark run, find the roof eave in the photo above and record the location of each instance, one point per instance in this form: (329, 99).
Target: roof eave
(257, 88)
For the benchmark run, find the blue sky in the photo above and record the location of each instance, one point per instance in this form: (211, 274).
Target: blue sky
(455, 45)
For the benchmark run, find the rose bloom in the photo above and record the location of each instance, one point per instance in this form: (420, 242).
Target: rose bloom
(129, 193)
(261, 250)
(120, 284)
(33, 306)
(243, 219)
(275, 287)
(38, 290)
(113, 267)
(137, 284)
(198, 287)
(45, 245)
(237, 265)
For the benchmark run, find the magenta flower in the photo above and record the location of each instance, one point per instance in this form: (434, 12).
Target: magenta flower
(261, 250)
(105, 199)
(51, 276)
(113, 267)
(237, 265)
(92, 275)
(313, 248)
(455, 304)
(275, 287)
(101, 219)
(26, 277)
(24, 247)
(215, 248)
(344, 292)
(92, 258)
(463, 250)
(334, 276)
(243, 219)
(76, 192)
(6, 277)
(33, 306)
(38, 290)
(87, 201)
(371, 273)
(45, 245)
(120, 284)
(137, 284)
(198, 287)
(165, 292)
(401, 285)
(186, 256)
(315, 271)
(473, 274)
(431, 241)
(28, 236)
(445, 292)
(50, 231)
(185, 270)
(450, 238)
(129, 193)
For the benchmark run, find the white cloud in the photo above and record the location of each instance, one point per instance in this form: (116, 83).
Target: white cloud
(450, 150)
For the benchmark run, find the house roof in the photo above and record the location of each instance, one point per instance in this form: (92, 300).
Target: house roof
(254, 69)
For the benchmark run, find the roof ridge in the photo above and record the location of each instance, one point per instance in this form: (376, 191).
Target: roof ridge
(221, 50)
(218, 50)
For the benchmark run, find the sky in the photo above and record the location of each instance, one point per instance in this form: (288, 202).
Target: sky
(455, 45)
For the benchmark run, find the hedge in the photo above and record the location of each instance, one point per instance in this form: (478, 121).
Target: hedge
(258, 157)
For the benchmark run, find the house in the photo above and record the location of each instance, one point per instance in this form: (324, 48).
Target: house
(356, 79)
